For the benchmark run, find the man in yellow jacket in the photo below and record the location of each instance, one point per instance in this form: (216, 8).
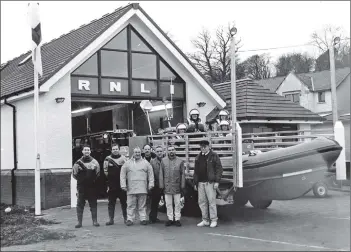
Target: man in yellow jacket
(137, 178)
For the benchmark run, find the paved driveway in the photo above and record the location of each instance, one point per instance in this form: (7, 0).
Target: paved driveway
(303, 224)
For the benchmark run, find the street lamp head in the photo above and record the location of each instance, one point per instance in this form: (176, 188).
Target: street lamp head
(336, 40)
(233, 31)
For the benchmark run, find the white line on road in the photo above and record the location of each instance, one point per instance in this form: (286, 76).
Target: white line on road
(338, 218)
(278, 242)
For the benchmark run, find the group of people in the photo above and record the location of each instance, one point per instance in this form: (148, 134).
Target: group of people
(148, 175)
(194, 123)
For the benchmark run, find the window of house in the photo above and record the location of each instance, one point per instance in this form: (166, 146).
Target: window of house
(137, 44)
(293, 97)
(321, 96)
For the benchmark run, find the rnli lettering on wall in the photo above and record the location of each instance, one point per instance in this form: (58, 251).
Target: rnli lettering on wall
(116, 87)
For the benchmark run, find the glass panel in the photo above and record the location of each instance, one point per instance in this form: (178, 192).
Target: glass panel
(89, 67)
(114, 87)
(165, 90)
(296, 98)
(118, 42)
(84, 85)
(114, 64)
(138, 44)
(144, 88)
(166, 73)
(144, 66)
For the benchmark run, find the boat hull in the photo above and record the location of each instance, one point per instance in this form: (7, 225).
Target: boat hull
(287, 173)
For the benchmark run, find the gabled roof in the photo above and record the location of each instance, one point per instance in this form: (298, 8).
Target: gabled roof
(321, 80)
(271, 83)
(257, 102)
(59, 52)
(55, 54)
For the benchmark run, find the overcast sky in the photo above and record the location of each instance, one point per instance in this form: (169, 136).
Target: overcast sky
(260, 24)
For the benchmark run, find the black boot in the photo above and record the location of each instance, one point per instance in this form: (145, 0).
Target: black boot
(111, 215)
(94, 217)
(80, 217)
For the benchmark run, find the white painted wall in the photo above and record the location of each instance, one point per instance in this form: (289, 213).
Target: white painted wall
(194, 91)
(291, 83)
(6, 138)
(308, 99)
(54, 127)
(320, 107)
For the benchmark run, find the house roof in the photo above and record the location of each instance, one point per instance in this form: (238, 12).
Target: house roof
(271, 83)
(341, 117)
(59, 52)
(257, 102)
(55, 55)
(321, 80)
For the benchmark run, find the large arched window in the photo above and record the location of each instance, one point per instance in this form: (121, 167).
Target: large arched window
(128, 66)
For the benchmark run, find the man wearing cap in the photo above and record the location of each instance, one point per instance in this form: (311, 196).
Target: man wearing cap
(207, 175)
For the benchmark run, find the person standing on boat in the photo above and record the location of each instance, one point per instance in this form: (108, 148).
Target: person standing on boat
(112, 168)
(194, 122)
(86, 171)
(222, 116)
(172, 180)
(207, 175)
(137, 178)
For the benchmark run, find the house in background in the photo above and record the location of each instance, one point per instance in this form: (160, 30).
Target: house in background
(262, 110)
(313, 91)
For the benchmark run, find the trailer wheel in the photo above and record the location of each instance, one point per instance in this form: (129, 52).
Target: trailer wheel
(240, 202)
(320, 190)
(261, 204)
(191, 207)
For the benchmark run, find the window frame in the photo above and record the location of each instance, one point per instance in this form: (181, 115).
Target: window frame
(129, 29)
(321, 94)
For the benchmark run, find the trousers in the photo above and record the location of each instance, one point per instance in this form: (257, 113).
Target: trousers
(155, 198)
(112, 198)
(207, 201)
(169, 205)
(134, 202)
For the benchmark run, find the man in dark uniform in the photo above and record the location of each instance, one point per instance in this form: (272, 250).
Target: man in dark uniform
(112, 168)
(148, 154)
(86, 170)
(156, 192)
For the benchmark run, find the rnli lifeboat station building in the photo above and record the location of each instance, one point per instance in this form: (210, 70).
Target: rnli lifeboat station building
(93, 80)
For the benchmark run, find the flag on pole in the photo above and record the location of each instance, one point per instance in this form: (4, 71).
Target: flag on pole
(34, 21)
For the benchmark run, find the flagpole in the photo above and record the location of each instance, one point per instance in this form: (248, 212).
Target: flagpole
(36, 140)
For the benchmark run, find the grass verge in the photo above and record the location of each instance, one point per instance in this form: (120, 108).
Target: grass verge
(20, 227)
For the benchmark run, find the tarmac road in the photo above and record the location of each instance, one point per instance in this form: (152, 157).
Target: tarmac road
(306, 224)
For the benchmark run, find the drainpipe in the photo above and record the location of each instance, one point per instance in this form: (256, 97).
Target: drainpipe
(14, 130)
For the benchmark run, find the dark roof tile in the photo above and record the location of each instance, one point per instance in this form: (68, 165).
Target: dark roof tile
(257, 102)
(55, 54)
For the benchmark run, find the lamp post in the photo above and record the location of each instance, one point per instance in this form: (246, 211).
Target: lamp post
(332, 79)
(233, 31)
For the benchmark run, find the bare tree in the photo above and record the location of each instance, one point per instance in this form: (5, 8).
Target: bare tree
(323, 38)
(300, 63)
(212, 56)
(258, 66)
